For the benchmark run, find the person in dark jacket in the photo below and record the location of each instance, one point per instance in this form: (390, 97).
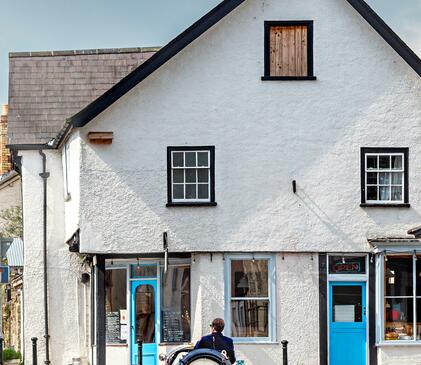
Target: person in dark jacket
(217, 341)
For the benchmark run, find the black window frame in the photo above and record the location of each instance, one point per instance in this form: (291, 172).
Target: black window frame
(380, 150)
(211, 150)
(310, 52)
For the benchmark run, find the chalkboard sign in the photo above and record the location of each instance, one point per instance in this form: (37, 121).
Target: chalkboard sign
(172, 329)
(113, 327)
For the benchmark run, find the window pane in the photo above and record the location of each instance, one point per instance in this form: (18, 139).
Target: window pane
(178, 159)
(145, 313)
(418, 281)
(190, 191)
(203, 175)
(397, 193)
(371, 192)
(178, 191)
(384, 178)
(115, 302)
(249, 318)
(202, 159)
(203, 191)
(249, 278)
(384, 193)
(191, 159)
(175, 304)
(372, 178)
(190, 175)
(347, 305)
(397, 162)
(371, 162)
(418, 319)
(399, 314)
(178, 176)
(398, 271)
(384, 162)
(396, 178)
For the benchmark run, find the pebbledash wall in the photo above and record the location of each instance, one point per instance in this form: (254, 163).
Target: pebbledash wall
(67, 296)
(265, 134)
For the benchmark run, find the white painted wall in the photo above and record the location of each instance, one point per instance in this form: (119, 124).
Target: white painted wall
(63, 268)
(265, 134)
(71, 205)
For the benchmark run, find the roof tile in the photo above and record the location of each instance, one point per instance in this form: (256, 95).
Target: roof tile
(46, 88)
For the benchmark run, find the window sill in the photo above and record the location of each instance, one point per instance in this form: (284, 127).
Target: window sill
(198, 204)
(288, 78)
(373, 205)
(117, 344)
(254, 341)
(398, 343)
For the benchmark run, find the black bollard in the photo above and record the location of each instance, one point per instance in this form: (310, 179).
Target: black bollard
(1, 350)
(139, 351)
(284, 352)
(34, 351)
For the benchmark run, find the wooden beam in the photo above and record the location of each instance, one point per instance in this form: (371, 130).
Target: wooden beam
(101, 137)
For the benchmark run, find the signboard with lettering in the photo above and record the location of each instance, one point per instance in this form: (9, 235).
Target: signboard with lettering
(113, 334)
(347, 264)
(172, 330)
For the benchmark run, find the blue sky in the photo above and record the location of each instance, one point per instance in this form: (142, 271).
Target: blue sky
(29, 25)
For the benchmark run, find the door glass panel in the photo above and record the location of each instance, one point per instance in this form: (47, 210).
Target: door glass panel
(145, 314)
(347, 303)
(143, 271)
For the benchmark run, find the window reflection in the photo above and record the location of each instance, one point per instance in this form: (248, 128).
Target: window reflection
(175, 304)
(115, 304)
(250, 298)
(145, 313)
(399, 297)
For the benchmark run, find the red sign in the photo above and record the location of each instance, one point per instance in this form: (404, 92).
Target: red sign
(347, 267)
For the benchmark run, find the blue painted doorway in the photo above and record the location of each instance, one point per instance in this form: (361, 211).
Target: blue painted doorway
(347, 323)
(144, 321)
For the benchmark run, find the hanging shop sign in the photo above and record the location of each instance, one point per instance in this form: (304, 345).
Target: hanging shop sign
(4, 274)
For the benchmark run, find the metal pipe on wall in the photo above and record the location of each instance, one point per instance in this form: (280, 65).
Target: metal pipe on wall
(45, 175)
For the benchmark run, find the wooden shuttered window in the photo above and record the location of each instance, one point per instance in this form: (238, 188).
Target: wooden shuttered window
(288, 48)
(288, 51)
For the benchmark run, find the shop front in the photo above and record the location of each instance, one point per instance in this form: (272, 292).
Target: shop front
(398, 287)
(348, 332)
(147, 301)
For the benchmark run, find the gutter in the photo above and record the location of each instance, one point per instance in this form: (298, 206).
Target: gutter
(45, 175)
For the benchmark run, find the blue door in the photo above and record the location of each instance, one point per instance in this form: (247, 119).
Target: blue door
(144, 321)
(347, 323)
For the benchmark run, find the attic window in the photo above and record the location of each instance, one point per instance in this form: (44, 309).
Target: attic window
(289, 50)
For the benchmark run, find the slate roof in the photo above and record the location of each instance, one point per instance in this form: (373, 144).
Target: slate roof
(46, 88)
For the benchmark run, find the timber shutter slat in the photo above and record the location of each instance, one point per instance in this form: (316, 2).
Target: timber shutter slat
(288, 50)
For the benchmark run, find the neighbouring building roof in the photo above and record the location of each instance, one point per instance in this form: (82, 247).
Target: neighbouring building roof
(15, 253)
(46, 88)
(8, 178)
